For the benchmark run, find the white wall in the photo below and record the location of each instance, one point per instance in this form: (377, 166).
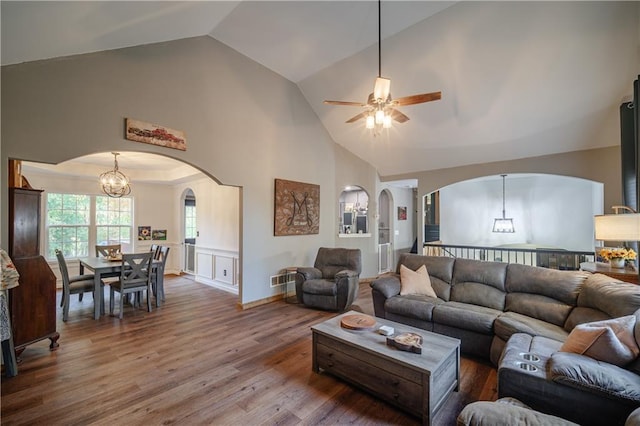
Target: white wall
(217, 213)
(404, 230)
(547, 211)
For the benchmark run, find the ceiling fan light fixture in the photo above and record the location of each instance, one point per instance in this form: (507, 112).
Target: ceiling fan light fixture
(386, 123)
(371, 122)
(380, 110)
(382, 89)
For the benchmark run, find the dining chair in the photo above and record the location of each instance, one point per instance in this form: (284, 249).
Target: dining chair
(155, 248)
(104, 249)
(157, 275)
(78, 284)
(134, 277)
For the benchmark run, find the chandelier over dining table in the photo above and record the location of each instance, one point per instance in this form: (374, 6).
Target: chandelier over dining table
(114, 183)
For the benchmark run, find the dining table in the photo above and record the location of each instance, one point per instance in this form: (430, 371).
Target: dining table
(103, 267)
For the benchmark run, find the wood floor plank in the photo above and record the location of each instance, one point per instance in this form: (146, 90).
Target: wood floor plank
(198, 359)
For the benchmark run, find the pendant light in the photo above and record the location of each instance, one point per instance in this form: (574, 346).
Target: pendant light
(113, 182)
(503, 224)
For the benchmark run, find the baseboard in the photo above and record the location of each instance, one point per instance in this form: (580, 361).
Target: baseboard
(256, 303)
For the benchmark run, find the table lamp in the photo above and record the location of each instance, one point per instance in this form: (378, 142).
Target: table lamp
(618, 227)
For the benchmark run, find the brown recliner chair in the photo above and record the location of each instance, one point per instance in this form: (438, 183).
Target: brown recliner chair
(332, 284)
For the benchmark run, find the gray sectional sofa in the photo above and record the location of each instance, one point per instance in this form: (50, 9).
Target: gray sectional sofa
(501, 311)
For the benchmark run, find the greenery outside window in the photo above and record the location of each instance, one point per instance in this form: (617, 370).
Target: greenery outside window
(75, 223)
(114, 221)
(68, 221)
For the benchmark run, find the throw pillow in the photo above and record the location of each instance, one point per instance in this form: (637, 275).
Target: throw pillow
(415, 282)
(610, 341)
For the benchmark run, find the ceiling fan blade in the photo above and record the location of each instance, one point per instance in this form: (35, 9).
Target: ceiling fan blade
(360, 104)
(398, 116)
(382, 88)
(418, 99)
(356, 118)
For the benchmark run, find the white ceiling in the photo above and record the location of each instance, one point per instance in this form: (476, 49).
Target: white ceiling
(518, 79)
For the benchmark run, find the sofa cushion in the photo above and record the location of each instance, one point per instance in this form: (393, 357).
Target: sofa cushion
(611, 296)
(510, 323)
(591, 375)
(413, 306)
(479, 283)
(440, 271)
(506, 411)
(320, 287)
(610, 341)
(469, 317)
(580, 315)
(538, 306)
(560, 285)
(415, 282)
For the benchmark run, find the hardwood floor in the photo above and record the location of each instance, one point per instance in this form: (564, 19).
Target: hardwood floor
(200, 360)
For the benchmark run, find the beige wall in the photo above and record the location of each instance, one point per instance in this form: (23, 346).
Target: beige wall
(245, 126)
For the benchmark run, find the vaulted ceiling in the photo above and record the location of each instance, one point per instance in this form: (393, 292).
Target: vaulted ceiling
(518, 79)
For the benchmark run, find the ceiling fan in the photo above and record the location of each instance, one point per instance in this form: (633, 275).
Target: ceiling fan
(380, 108)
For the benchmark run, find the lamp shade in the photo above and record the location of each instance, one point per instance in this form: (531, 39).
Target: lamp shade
(617, 227)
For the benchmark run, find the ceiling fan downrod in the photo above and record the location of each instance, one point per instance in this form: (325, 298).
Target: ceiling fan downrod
(379, 38)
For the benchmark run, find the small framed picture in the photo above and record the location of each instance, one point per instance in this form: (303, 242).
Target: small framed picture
(144, 233)
(402, 213)
(159, 234)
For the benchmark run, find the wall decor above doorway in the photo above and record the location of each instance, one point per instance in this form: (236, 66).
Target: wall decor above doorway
(140, 131)
(297, 208)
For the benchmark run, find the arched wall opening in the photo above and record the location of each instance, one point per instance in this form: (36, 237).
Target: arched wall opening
(549, 211)
(160, 185)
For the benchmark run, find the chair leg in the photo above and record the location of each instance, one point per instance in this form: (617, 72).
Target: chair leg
(80, 297)
(62, 298)
(149, 299)
(161, 284)
(121, 304)
(66, 299)
(111, 292)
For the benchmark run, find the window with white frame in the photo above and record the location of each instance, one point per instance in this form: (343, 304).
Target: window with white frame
(190, 219)
(75, 223)
(68, 220)
(114, 221)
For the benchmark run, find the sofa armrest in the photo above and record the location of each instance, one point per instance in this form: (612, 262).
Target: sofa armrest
(591, 375)
(387, 285)
(347, 273)
(308, 273)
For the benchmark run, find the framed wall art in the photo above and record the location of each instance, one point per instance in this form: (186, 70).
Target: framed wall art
(297, 208)
(140, 131)
(402, 213)
(159, 234)
(144, 233)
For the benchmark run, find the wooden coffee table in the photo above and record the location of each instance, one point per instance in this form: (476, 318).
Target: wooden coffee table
(416, 383)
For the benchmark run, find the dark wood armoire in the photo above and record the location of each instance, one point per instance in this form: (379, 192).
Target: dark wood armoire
(33, 303)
